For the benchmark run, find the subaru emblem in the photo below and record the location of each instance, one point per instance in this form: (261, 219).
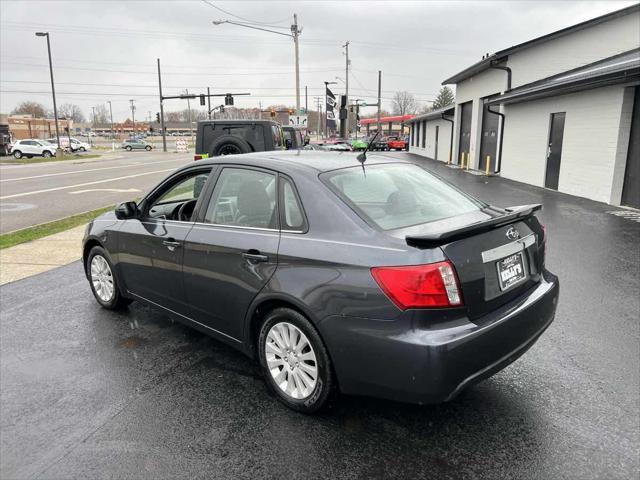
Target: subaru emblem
(512, 233)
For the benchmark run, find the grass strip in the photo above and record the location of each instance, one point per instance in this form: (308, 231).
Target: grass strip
(38, 231)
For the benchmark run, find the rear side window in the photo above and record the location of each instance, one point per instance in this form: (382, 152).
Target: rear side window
(277, 137)
(398, 195)
(243, 198)
(292, 216)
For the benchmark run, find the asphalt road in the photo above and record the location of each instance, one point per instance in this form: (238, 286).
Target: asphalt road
(86, 393)
(42, 192)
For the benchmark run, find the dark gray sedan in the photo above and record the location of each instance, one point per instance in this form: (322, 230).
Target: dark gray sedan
(379, 280)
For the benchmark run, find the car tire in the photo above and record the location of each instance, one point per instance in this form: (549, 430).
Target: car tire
(17, 154)
(82, 149)
(228, 145)
(46, 154)
(103, 281)
(147, 148)
(128, 148)
(316, 392)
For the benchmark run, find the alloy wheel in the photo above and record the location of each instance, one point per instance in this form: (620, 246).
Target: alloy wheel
(291, 360)
(102, 278)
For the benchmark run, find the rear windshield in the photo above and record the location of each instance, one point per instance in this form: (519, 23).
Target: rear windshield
(398, 195)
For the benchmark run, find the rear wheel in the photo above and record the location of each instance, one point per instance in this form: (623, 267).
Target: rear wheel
(103, 281)
(17, 154)
(147, 148)
(294, 361)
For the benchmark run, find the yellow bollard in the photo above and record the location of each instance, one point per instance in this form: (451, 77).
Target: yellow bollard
(462, 160)
(488, 165)
(467, 164)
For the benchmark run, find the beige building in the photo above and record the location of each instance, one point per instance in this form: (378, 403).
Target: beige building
(27, 126)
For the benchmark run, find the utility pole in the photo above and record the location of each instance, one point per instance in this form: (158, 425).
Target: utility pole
(306, 100)
(133, 115)
(186, 91)
(346, 88)
(93, 126)
(379, 100)
(113, 143)
(295, 31)
(164, 135)
(53, 88)
(260, 107)
(209, 102)
(319, 106)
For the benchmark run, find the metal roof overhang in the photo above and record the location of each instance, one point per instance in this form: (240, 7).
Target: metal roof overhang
(624, 68)
(448, 110)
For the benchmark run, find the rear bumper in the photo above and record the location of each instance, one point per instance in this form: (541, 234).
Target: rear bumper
(408, 360)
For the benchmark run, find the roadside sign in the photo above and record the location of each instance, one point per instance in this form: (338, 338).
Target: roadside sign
(298, 120)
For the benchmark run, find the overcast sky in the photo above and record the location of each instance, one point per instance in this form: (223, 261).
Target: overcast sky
(107, 50)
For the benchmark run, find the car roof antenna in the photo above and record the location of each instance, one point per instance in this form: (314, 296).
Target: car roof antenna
(363, 156)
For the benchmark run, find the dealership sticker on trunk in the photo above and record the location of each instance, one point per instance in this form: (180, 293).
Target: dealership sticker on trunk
(510, 270)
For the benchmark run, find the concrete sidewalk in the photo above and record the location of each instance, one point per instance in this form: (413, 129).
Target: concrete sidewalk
(40, 255)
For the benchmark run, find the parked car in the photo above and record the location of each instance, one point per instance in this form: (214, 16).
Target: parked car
(380, 144)
(373, 278)
(231, 137)
(76, 145)
(396, 143)
(31, 147)
(359, 143)
(135, 144)
(293, 137)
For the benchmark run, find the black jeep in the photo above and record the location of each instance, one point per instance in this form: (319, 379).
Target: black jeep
(229, 137)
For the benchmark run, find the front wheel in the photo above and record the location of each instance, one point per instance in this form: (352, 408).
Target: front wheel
(103, 281)
(46, 154)
(294, 361)
(82, 149)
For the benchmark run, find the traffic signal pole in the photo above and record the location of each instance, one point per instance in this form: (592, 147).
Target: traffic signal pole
(164, 133)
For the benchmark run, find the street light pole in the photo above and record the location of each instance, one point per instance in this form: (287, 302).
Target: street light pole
(164, 135)
(295, 33)
(346, 88)
(53, 88)
(113, 144)
(133, 115)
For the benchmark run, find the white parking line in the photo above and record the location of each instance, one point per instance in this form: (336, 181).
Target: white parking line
(82, 171)
(24, 194)
(116, 190)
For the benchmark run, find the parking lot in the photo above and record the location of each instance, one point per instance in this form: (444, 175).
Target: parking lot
(88, 393)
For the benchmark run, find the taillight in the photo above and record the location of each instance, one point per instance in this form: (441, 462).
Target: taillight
(197, 157)
(420, 286)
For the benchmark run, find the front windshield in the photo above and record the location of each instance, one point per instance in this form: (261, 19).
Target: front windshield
(398, 195)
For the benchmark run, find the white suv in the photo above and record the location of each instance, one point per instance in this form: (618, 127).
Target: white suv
(30, 147)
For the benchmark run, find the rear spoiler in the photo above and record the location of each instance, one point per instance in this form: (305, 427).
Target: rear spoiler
(441, 238)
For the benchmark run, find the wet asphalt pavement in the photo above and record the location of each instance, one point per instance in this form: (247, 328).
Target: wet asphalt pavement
(87, 393)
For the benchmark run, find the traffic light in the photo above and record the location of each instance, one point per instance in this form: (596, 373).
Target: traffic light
(202, 102)
(273, 114)
(158, 117)
(228, 99)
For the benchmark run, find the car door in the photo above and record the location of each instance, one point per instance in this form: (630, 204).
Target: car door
(231, 252)
(29, 147)
(150, 247)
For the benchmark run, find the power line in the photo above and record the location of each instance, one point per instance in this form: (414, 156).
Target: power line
(243, 18)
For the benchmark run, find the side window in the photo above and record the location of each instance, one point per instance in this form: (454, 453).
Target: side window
(243, 198)
(182, 193)
(292, 216)
(277, 136)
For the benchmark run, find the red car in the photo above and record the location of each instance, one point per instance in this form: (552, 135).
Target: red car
(396, 143)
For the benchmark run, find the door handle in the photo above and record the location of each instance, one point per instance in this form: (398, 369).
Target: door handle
(171, 244)
(254, 256)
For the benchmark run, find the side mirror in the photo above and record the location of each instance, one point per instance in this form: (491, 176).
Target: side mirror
(288, 144)
(126, 210)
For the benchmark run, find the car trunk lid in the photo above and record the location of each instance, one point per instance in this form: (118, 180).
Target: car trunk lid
(497, 253)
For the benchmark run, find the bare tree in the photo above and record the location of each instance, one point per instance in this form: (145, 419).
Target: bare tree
(30, 108)
(102, 116)
(404, 103)
(72, 111)
(444, 98)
